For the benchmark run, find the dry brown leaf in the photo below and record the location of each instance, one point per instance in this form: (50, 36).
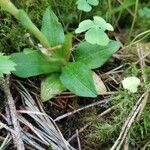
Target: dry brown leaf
(99, 84)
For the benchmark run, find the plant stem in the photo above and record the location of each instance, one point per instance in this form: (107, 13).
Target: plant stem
(134, 18)
(28, 24)
(9, 6)
(109, 9)
(25, 21)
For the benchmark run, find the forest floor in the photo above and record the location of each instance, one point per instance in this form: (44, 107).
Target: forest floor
(116, 119)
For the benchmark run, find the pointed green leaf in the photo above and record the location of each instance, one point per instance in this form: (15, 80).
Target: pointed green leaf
(65, 51)
(78, 79)
(96, 36)
(67, 46)
(32, 64)
(50, 87)
(6, 65)
(28, 50)
(52, 29)
(84, 25)
(95, 56)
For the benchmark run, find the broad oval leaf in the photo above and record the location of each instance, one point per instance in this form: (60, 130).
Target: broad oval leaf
(32, 64)
(95, 56)
(52, 29)
(50, 87)
(77, 78)
(84, 25)
(6, 65)
(96, 36)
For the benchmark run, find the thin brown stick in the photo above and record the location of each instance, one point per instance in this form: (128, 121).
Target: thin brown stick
(78, 140)
(141, 61)
(144, 76)
(80, 109)
(106, 111)
(88, 124)
(16, 137)
(2, 125)
(79, 131)
(145, 146)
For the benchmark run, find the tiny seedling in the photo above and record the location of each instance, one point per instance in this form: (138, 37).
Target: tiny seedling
(54, 58)
(95, 30)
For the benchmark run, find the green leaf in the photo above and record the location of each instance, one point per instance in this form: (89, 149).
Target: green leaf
(95, 56)
(85, 5)
(67, 46)
(96, 30)
(145, 12)
(65, 51)
(26, 22)
(6, 65)
(77, 78)
(52, 29)
(28, 50)
(32, 64)
(96, 36)
(84, 25)
(102, 23)
(50, 87)
(93, 2)
(124, 6)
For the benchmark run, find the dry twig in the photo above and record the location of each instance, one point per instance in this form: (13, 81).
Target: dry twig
(12, 108)
(86, 107)
(88, 124)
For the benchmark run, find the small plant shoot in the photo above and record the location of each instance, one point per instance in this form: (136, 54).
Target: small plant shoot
(61, 73)
(95, 30)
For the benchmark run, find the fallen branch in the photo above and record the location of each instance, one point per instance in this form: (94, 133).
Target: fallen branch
(16, 136)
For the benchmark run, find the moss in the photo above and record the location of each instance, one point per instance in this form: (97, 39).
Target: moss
(11, 32)
(104, 131)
